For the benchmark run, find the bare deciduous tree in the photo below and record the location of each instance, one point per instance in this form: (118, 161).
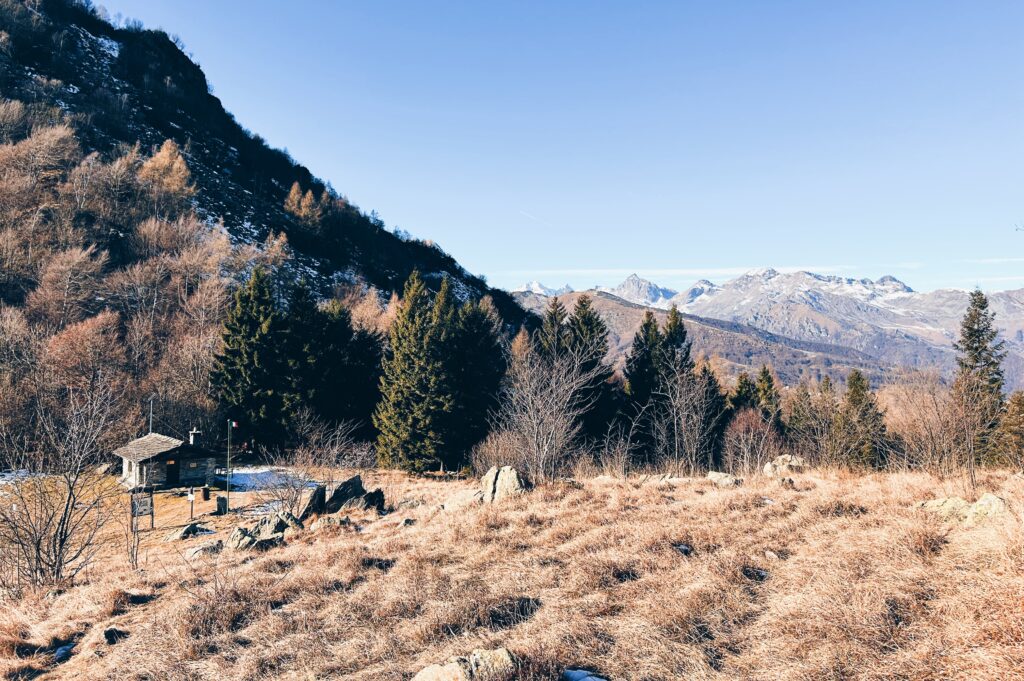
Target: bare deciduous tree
(684, 420)
(52, 512)
(751, 440)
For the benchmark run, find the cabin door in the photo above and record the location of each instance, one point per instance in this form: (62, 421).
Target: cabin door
(173, 473)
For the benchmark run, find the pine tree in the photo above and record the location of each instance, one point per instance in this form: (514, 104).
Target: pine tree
(587, 336)
(675, 343)
(477, 365)
(642, 364)
(715, 416)
(416, 396)
(861, 424)
(768, 399)
(304, 345)
(247, 376)
(744, 395)
(979, 382)
(553, 337)
(1010, 438)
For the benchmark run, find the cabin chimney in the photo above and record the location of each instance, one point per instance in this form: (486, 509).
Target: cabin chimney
(192, 436)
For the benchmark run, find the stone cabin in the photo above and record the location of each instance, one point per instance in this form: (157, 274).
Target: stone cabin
(160, 461)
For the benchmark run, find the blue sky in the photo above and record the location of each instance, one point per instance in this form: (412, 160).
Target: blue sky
(581, 141)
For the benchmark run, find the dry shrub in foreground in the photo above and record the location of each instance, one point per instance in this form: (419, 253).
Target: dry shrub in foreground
(637, 580)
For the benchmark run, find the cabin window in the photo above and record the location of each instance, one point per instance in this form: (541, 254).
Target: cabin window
(193, 465)
(171, 462)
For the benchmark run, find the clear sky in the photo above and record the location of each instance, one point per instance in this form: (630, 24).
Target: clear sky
(581, 141)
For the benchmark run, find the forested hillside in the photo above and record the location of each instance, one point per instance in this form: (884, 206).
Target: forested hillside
(132, 205)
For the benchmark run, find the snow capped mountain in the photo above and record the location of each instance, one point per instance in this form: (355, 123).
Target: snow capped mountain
(642, 292)
(542, 290)
(883, 318)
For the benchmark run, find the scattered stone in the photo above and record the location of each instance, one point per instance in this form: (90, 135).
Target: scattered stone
(290, 520)
(189, 530)
(683, 549)
(986, 506)
(479, 665)
(409, 503)
(63, 653)
(787, 483)
(113, 635)
(500, 483)
(317, 503)
(724, 479)
(767, 501)
(754, 574)
(581, 675)
(266, 543)
(241, 539)
(787, 464)
(463, 500)
(407, 522)
(346, 493)
(771, 555)
(208, 549)
(329, 521)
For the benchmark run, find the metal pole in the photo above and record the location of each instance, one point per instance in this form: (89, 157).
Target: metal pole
(229, 467)
(150, 413)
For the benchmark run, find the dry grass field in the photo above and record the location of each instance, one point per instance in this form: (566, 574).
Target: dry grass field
(839, 578)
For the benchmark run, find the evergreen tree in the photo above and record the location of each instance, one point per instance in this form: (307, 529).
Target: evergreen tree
(477, 365)
(1010, 438)
(304, 343)
(675, 343)
(768, 399)
(416, 394)
(715, 415)
(980, 353)
(861, 424)
(247, 376)
(642, 364)
(979, 382)
(587, 335)
(553, 337)
(744, 395)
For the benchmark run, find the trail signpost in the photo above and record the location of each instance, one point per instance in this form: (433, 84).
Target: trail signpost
(142, 505)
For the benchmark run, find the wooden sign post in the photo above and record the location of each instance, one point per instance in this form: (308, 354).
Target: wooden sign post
(142, 505)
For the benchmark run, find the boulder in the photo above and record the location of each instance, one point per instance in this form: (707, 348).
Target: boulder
(958, 509)
(787, 464)
(724, 479)
(290, 520)
(316, 503)
(479, 665)
(265, 543)
(329, 521)
(501, 483)
(463, 500)
(189, 530)
(241, 539)
(269, 525)
(211, 548)
(346, 493)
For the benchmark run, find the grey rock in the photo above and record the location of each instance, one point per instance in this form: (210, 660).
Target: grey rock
(189, 530)
(724, 479)
(114, 635)
(346, 493)
(329, 521)
(479, 665)
(208, 549)
(501, 483)
(64, 653)
(317, 503)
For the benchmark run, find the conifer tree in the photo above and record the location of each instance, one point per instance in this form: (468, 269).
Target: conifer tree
(293, 202)
(476, 365)
(1010, 438)
(715, 415)
(861, 424)
(587, 336)
(676, 343)
(247, 376)
(642, 364)
(768, 399)
(979, 382)
(416, 395)
(744, 395)
(553, 336)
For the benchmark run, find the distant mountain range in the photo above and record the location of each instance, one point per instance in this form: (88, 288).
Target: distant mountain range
(883, 319)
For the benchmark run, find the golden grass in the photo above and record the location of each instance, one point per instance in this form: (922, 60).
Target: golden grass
(837, 579)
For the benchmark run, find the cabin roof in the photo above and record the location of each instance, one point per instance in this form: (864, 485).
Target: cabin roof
(147, 446)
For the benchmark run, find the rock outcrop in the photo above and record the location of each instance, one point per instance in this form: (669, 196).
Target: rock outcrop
(479, 665)
(189, 530)
(784, 465)
(316, 503)
(958, 509)
(501, 483)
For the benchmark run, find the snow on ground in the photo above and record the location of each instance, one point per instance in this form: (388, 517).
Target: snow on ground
(255, 478)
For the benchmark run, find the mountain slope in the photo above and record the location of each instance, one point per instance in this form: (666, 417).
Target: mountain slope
(127, 86)
(732, 347)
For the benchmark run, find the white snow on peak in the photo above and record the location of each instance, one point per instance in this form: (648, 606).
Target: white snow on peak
(540, 289)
